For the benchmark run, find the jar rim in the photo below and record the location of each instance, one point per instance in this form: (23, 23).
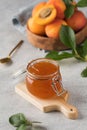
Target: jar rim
(42, 76)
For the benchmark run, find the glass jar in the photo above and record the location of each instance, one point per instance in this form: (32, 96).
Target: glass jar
(43, 78)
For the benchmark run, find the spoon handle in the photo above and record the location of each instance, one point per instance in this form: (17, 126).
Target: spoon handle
(19, 43)
(19, 72)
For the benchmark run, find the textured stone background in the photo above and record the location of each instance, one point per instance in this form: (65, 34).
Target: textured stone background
(10, 102)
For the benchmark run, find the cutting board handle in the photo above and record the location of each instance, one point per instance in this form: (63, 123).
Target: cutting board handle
(67, 109)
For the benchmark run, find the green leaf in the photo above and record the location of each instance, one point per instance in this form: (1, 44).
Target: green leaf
(82, 50)
(69, 11)
(79, 49)
(52, 55)
(82, 3)
(67, 37)
(67, 2)
(85, 50)
(17, 119)
(84, 72)
(59, 55)
(21, 127)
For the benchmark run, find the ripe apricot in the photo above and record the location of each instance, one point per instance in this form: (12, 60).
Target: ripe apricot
(77, 21)
(35, 28)
(38, 7)
(52, 30)
(60, 7)
(45, 15)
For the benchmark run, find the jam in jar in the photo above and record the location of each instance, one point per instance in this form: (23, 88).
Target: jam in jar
(43, 78)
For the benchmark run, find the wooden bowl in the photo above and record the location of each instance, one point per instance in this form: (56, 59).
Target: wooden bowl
(46, 43)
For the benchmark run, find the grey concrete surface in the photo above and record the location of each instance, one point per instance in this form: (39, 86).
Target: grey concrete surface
(10, 102)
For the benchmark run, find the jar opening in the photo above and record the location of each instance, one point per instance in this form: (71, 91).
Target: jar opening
(42, 68)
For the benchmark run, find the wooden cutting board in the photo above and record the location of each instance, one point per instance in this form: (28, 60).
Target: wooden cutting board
(46, 105)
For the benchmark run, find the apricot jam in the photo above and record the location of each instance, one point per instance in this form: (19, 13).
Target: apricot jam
(43, 78)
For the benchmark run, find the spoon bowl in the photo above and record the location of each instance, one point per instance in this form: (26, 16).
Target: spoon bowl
(4, 60)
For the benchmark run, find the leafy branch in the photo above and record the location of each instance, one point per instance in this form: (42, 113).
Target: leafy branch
(20, 122)
(67, 37)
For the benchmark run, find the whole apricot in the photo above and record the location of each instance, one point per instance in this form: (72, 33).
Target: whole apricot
(77, 21)
(52, 30)
(35, 28)
(38, 7)
(60, 7)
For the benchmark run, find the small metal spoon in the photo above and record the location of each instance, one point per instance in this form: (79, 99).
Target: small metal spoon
(8, 58)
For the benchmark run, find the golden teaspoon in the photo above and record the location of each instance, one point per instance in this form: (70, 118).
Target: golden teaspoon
(8, 58)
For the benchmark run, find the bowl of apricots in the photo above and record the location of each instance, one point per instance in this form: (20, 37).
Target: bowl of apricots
(46, 19)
